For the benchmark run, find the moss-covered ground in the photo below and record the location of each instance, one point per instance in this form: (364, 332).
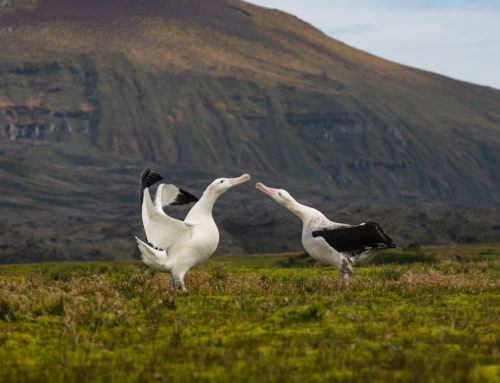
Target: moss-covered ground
(256, 318)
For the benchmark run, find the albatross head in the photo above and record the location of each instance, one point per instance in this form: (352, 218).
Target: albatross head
(279, 195)
(221, 185)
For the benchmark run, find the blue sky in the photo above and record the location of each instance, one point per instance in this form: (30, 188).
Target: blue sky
(456, 38)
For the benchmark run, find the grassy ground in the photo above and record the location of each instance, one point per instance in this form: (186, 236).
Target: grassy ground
(431, 316)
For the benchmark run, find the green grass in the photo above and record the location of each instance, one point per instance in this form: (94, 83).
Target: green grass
(255, 318)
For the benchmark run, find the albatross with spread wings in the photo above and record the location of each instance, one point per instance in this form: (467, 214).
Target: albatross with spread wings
(175, 246)
(337, 244)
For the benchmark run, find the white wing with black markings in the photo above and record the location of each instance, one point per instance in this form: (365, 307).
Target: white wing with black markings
(161, 229)
(172, 195)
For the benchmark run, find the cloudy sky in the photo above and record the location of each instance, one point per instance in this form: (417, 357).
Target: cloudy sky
(457, 38)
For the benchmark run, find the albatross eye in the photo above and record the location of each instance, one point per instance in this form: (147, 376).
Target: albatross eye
(279, 194)
(221, 181)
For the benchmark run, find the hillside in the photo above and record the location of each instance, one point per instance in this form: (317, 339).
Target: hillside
(92, 91)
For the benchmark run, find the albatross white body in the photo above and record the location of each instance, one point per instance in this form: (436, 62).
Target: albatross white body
(337, 244)
(176, 246)
(317, 247)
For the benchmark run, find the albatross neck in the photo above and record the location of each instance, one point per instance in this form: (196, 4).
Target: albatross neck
(302, 211)
(206, 203)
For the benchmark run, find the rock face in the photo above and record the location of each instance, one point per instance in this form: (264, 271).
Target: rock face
(6, 4)
(22, 121)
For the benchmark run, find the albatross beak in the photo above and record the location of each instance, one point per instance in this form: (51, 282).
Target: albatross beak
(239, 180)
(264, 188)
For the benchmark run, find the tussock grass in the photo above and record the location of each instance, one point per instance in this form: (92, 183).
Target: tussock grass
(120, 322)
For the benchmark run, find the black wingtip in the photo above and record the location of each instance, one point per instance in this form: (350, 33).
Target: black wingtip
(389, 242)
(184, 198)
(148, 177)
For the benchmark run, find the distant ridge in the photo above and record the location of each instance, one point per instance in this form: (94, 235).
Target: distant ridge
(109, 12)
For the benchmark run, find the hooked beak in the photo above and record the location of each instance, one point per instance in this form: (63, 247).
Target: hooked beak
(239, 180)
(264, 188)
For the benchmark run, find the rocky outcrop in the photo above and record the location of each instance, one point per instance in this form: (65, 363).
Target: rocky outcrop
(329, 125)
(4, 4)
(22, 121)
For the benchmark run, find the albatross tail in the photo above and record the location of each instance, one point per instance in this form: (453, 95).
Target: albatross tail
(153, 257)
(362, 258)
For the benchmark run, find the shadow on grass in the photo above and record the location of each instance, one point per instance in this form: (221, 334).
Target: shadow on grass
(409, 255)
(403, 256)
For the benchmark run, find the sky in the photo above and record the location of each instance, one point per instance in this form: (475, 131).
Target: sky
(456, 38)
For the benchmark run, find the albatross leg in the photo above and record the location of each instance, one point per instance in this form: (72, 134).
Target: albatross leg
(344, 279)
(182, 284)
(172, 279)
(345, 272)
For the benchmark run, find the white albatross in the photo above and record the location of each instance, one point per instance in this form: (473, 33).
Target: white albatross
(337, 244)
(175, 246)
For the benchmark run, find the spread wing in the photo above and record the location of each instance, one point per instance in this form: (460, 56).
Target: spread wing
(161, 230)
(172, 195)
(357, 238)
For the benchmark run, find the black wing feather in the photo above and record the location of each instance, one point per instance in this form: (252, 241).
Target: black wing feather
(368, 235)
(148, 177)
(183, 198)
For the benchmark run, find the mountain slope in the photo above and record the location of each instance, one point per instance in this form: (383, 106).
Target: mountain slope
(200, 88)
(224, 82)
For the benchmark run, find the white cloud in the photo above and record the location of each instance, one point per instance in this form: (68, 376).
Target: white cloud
(457, 38)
